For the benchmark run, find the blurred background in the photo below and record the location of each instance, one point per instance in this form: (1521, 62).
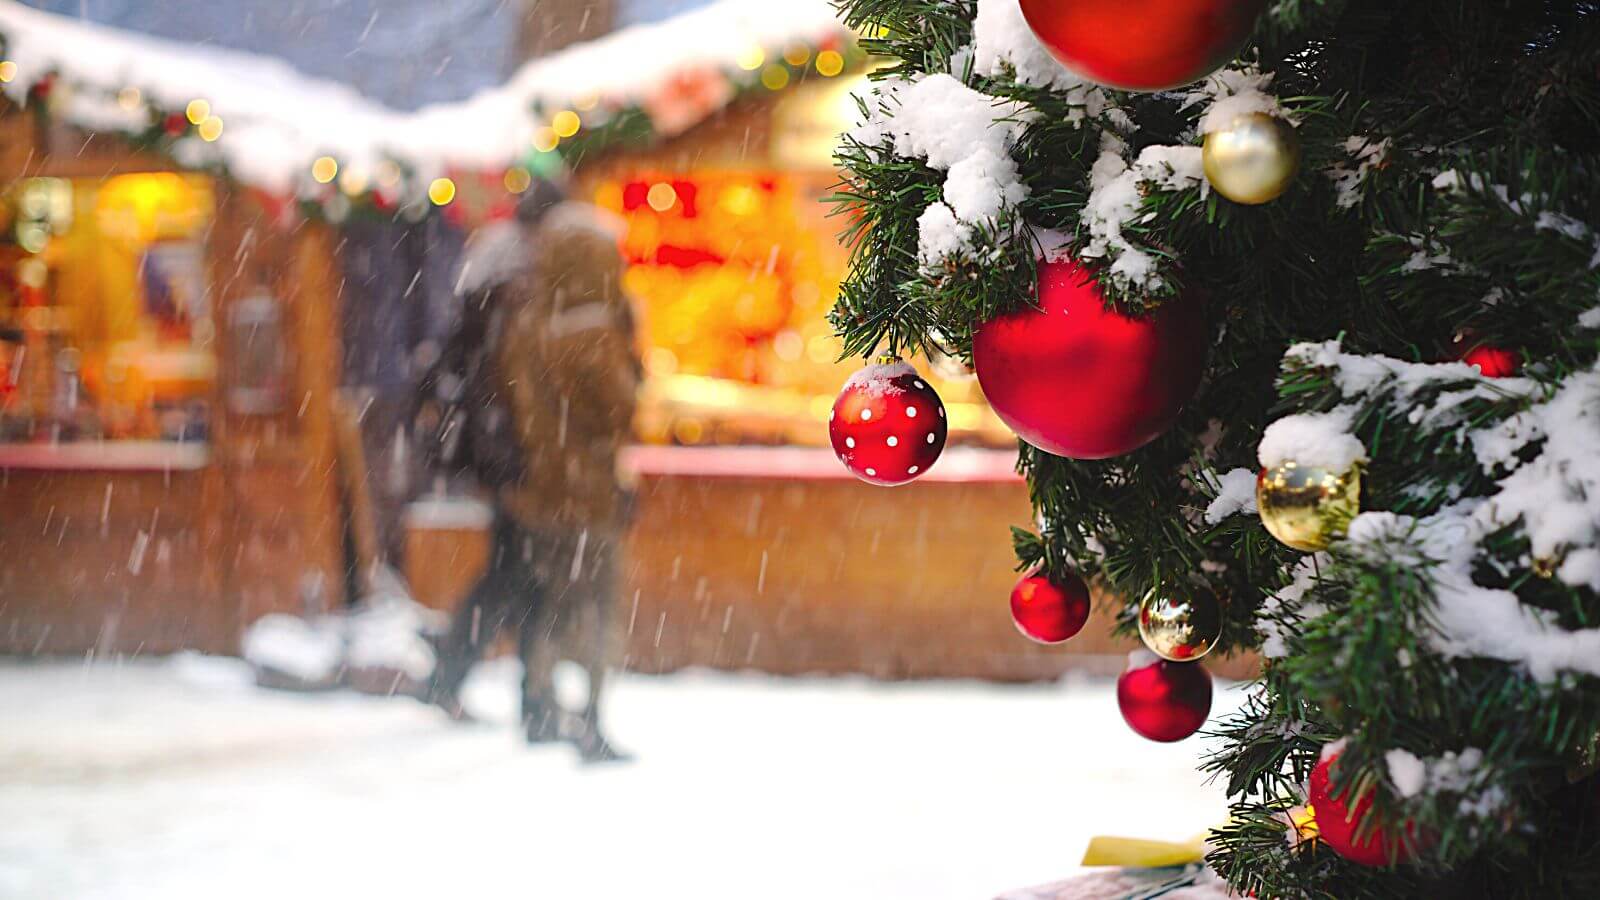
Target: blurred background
(230, 237)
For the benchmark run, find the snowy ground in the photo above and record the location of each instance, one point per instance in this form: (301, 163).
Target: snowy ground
(177, 779)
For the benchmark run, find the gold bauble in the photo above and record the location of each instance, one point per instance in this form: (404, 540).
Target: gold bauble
(1179, 626)
(1306, 507)
(1252, 159)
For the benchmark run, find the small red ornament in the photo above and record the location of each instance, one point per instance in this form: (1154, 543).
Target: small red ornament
(1075, 379)
(1337, 823)
(888, 425)
(175, 124)
(1142, 45)
(1493, 362)
(1050, 609)
(1161, 700)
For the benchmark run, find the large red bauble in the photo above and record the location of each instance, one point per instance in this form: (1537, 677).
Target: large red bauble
(1050, 609)
(1337, 823)
(888, 425)
(1162, 700)
(1075, 379)
(1142, 45)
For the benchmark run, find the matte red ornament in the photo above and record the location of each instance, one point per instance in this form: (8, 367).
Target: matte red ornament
(1142, 45)
(1337, 823)
(1162, 700)
(888, 425)
(1050, 609)
(1075, 379)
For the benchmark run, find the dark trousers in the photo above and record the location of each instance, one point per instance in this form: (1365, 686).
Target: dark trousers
(554, 589)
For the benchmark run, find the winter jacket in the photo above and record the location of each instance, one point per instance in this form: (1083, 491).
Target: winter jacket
(569, 369)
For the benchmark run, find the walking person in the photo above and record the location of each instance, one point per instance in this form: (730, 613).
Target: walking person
(543, 406)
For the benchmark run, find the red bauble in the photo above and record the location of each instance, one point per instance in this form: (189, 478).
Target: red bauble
(175, 124)
(888, 426)
(1162, 700)
(1050, 610)
(1075, 379)
(1493, 362)
(1337, 823)
(1142, 45)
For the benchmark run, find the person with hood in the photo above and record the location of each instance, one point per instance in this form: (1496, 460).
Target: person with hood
(537, 397)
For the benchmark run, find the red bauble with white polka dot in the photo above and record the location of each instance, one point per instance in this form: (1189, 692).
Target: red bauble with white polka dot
(888, 426)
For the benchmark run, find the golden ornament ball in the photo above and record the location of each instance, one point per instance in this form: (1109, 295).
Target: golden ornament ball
(1252, 159)
(1306, 507)
(1179, 625)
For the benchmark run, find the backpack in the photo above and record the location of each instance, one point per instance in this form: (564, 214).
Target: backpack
(462, 420)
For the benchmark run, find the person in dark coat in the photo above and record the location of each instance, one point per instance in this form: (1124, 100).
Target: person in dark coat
(557, 390)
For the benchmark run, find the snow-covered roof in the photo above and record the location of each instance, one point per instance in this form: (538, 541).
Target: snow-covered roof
(277, 120)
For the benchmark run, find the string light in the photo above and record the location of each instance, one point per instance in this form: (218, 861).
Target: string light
(353, 181)
(829, 63)
(441, 191)
(8, 71)
(324, 169)
(211, 128)
(774, 78)
(751, 58)
(565, 123)
(197, 111)
(661, 196)
(797, 55)
(128, 98)
(545, 139)
(517, 179)
(586, 102)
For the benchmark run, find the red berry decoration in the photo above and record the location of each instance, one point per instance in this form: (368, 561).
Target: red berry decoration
(1050, 609)
(1142, 45)
(1161, 700)
(1337, 823)
(888, 426)
(1075, 379)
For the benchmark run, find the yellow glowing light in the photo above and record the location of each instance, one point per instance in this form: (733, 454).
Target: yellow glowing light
(797, 55)
(517, 179)
(128, 98)
(211, 128)
(586, 102)
(545, 139)
(565, 123)
(441, 191)
(751, 58)
(8, 70)
(661, 196)
(324, 169)
(353, 181)
(197, 111)
(774, 78)
(829, 63)
(739, 200)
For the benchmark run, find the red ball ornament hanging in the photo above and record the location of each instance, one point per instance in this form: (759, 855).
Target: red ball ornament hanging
(1161, 700)
(888, 425)
(1050, 609)
(1075, 379)
(1338, 823)
(1142, 45)
(175, 124)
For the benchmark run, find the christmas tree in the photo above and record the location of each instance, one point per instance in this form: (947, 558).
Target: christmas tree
(1296, 307)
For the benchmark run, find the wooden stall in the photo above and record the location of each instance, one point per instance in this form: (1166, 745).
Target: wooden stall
(166, 455)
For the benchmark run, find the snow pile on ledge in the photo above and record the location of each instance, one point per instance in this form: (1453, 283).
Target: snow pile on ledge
(277, 120)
